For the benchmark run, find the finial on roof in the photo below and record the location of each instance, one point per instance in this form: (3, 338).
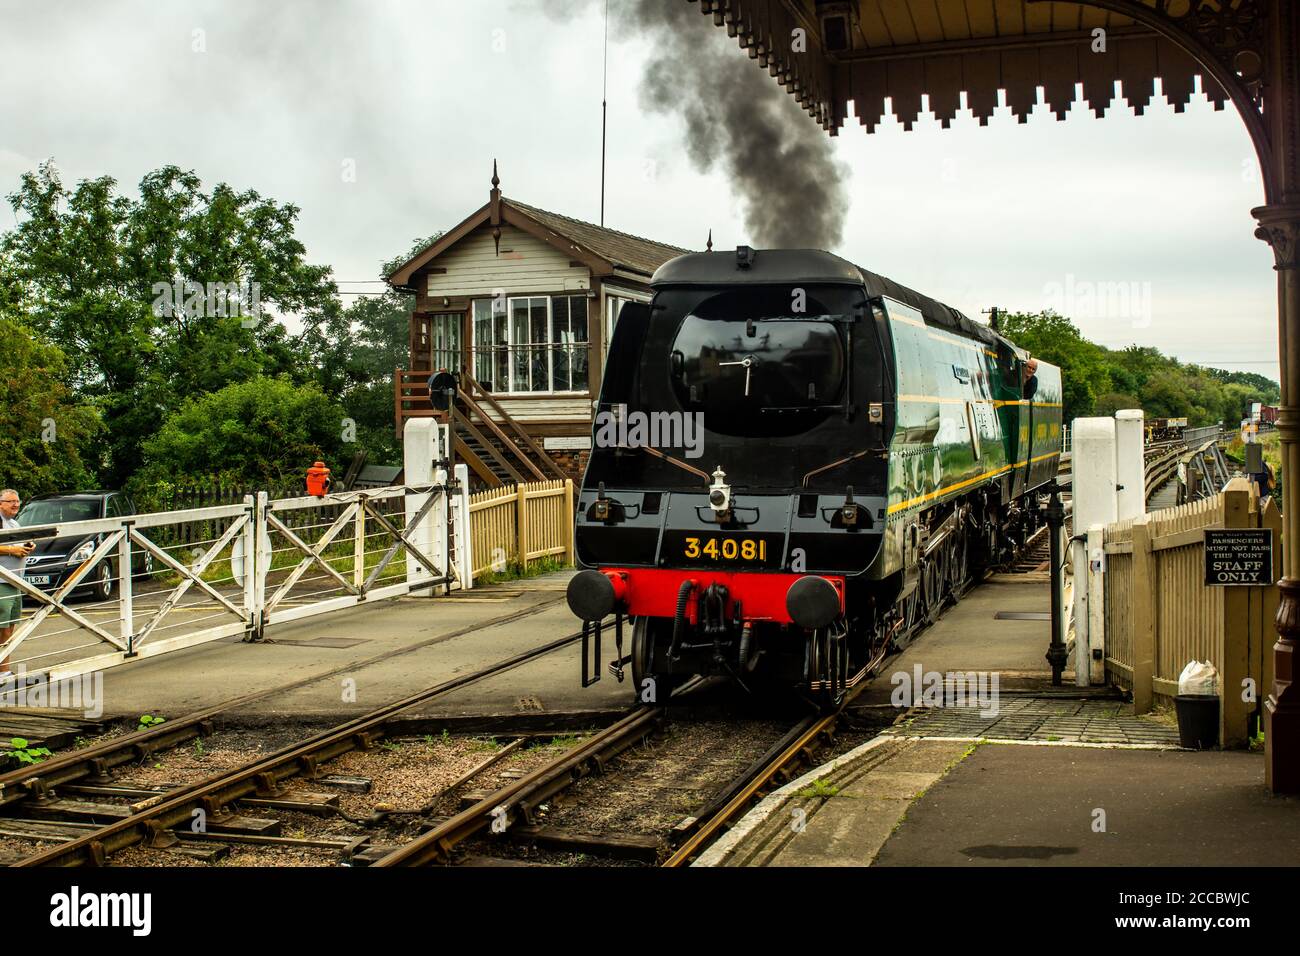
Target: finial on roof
(708, 246)
(494, 207)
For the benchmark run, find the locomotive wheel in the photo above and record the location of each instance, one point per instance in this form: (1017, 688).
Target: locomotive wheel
(650, 639)
(829, 661)
(931, 583)
(962, 564)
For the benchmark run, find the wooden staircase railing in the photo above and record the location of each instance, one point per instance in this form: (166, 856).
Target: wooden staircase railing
(509, 454)
(546, 461)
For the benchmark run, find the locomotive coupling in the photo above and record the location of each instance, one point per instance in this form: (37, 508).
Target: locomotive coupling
(813, 602)
(594, 594)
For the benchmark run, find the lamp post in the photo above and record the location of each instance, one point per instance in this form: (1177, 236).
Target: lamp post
(1054, 514)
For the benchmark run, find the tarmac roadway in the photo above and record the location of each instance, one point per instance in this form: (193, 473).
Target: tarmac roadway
(368, 656)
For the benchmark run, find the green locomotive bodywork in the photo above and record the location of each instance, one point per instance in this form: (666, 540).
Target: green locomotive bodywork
(963, 424)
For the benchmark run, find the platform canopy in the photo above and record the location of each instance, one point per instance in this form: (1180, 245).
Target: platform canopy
(830, 53)
(827, 53)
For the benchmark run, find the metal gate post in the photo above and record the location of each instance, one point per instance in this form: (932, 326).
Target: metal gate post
(258, 566)
(125, 596)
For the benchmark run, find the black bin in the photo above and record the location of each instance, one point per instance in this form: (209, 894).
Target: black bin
(1198, 720)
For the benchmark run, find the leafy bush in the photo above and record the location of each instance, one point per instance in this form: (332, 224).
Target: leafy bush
(257, 433)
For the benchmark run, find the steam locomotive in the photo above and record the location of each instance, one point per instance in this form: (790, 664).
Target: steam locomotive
(834, 454)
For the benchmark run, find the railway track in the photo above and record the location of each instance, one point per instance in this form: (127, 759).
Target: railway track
(516, 813)
(520, 813)
(35, 801)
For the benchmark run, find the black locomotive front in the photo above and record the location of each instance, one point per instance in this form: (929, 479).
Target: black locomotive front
(736, 491)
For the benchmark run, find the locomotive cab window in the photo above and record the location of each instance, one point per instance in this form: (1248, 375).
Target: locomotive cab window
(756, 367)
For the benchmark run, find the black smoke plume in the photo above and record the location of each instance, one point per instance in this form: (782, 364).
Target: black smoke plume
(737, 118)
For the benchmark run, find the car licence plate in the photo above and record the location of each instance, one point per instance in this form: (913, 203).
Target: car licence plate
(38, 579)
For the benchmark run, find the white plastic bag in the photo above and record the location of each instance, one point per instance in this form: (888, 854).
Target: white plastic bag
(1199, 678)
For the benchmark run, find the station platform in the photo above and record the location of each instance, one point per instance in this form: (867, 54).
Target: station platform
(1057, 776)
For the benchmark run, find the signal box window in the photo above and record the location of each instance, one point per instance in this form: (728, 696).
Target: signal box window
(529, 344)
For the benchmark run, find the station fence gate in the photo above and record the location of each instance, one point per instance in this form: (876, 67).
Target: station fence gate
(235, 570)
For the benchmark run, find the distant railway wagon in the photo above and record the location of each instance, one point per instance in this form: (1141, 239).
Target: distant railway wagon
(1165, 429)
(859, 447)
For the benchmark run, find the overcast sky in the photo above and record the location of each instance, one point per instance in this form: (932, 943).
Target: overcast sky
(418, 98)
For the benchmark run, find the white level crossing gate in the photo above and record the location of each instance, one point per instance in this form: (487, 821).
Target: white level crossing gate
(154, 583)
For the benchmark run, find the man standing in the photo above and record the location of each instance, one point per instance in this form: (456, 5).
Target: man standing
(11, 559)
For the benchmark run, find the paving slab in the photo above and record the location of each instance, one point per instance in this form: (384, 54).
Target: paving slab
(971, 637)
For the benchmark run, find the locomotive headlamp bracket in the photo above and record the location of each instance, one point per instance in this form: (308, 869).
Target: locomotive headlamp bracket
(608, 510)
(720, 493)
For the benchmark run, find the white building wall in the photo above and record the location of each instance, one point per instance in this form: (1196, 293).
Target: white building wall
(526, 264)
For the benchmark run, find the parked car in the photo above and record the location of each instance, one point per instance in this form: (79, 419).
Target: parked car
(55, 559)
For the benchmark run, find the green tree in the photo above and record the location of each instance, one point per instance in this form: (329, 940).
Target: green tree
(97, 272)
(352, 353)
(45, 429)
(1111, 402)
(256, 433)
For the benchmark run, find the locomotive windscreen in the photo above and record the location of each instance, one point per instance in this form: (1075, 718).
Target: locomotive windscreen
(757, 375)
(774, 379)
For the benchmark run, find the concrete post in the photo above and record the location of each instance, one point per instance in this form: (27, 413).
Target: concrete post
(420, 448)
(1129, 466)
(1093, 467)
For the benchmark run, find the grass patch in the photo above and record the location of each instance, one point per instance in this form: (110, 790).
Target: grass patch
(514, 572)
(820, 788)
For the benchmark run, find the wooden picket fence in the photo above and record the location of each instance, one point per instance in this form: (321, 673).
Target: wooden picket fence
(1159, 613)
(515, 525)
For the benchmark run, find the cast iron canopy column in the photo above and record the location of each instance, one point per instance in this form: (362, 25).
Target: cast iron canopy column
(1280, 228)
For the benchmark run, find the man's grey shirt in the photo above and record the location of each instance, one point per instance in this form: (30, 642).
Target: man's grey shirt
(10, 561)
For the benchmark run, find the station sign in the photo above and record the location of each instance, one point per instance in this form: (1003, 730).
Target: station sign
(1238, 556)
(566, 443)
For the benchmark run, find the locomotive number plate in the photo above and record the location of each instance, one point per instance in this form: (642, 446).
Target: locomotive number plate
(756, 551)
